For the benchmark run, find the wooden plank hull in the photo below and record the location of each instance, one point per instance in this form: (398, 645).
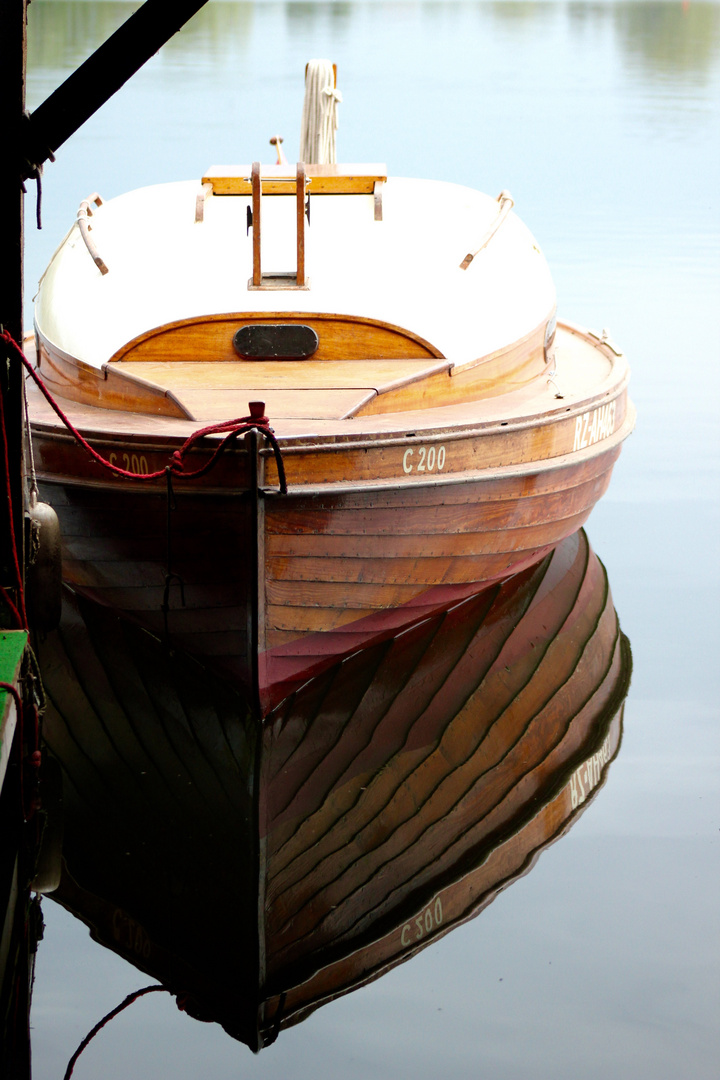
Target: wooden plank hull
(337, 577)
(330, 579)
(269, 588)
(384, 801)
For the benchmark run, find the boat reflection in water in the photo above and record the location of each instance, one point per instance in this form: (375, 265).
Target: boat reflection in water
(260, 869)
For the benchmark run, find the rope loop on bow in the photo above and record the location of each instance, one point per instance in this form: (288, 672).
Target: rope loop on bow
(256, 421)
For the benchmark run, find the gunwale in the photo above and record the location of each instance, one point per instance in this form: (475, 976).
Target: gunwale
(180, 381)
(512, 411)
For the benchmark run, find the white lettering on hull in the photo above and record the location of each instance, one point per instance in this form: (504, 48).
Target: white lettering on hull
(429, 459)
(585, 779)
(130, 935)
(592, 426)
(131, 463)
(427, 921)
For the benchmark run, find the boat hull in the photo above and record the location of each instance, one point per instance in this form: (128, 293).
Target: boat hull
(270, 590)
(379, 526)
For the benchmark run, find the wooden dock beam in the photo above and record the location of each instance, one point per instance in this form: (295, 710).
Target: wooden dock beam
(102, 74)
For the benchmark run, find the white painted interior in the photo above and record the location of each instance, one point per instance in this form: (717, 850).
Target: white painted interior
(404, 269)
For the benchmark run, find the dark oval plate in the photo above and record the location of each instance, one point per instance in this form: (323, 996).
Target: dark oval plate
(275, 341)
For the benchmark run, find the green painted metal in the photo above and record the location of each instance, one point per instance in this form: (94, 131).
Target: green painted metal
(12, 648)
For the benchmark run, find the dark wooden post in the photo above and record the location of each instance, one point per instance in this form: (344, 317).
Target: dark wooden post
(14, 948)
(101, 75)
(25, 144)
(13, 51)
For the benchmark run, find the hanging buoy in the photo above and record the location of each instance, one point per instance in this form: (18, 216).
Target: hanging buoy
(43, 574)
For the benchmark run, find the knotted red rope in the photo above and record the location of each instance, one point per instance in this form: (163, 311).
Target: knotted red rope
(256, 421)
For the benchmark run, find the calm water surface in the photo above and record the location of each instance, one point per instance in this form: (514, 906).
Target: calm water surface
(603, 119)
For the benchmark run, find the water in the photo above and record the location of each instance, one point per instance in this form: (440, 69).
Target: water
(603, 120)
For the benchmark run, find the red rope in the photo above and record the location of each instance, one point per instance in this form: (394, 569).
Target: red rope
(99, 1026)
(256, 421)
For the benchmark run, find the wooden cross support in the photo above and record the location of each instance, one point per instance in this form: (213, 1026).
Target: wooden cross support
(300, 218)
(283, 280)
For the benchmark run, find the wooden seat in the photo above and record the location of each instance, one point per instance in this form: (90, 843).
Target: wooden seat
(279, 179)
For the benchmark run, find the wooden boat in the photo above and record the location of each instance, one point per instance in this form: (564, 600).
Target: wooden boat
(260, 870)
(438, 430)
